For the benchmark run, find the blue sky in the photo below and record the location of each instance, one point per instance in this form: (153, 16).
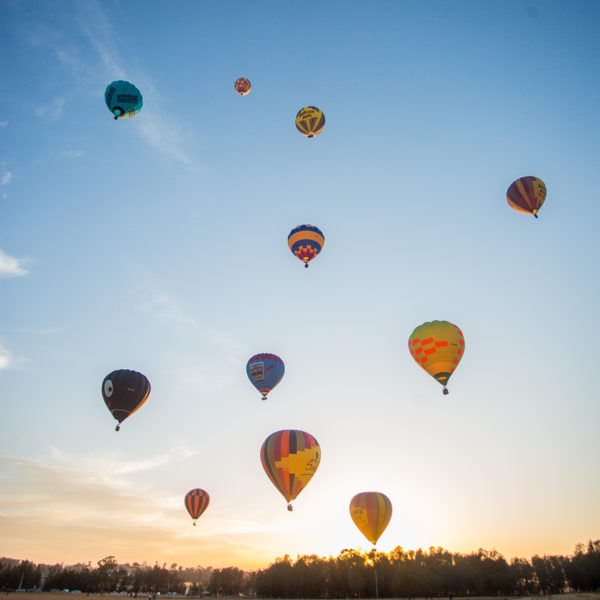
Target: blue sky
(159, 244)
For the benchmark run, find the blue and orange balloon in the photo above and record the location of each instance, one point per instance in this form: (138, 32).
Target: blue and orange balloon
(265, 372)
(305, 242)
(123, 99)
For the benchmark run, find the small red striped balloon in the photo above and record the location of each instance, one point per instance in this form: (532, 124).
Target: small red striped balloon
(196, 502)
(526, 195)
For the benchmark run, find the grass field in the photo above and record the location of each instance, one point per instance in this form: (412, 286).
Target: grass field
(64, 596)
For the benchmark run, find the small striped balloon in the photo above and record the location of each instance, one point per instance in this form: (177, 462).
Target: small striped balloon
(196, 501)
(526, 195)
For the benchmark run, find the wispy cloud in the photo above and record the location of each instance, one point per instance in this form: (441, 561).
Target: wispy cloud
(5, 358)
(163, 133)
(72, 153)
(163, 306)
(45, 331)
(3, 123)
(51, 112)
(11, 266)
(6, 178)
(78, 488)
(76, 505)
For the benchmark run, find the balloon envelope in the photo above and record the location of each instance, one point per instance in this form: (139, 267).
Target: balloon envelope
(290, 458)
(242, 86)
(123, 99)
(265, 372)
(437, 347)
(526, 195)
(196, 501)
(310, 121)
(371, 513)
(305, 242)
(124, 392)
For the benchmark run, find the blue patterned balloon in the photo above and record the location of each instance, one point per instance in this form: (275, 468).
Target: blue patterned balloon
(265, 372)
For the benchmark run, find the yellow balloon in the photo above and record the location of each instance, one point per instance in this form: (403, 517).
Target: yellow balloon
(438, 347)
(371, 513)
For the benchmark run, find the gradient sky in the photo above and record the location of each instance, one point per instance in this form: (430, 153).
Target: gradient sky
(159, 244)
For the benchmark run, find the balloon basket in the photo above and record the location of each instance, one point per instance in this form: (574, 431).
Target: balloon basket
(290, 507)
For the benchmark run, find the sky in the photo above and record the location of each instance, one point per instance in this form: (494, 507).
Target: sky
(159, 244)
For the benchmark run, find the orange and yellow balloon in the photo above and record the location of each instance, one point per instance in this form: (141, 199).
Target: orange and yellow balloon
(290, 458)
(305, 242)
(371, 513)
(438, 347)
(526, 195)
(196, 501)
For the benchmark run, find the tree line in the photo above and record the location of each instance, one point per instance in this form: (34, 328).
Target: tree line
(352, 574)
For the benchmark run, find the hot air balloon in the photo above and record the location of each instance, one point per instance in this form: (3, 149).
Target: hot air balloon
(196, 502)
(306, 241)
(526, 195)
(242, 86)
(437, 347)
(290, 458)
(265, 372)
(371, 513)
(310, 121)
(123, 99)
(124, 391)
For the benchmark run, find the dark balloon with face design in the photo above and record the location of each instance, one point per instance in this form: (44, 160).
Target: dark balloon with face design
(124, 392)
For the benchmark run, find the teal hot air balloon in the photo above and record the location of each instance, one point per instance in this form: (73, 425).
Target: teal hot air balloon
(123, 99)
